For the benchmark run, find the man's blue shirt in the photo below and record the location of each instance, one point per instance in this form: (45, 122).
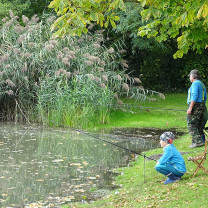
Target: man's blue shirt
(195, 92)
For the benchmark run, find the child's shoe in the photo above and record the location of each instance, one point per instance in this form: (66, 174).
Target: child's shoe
(172, 178)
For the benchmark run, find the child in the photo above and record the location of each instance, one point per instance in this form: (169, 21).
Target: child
(171, 164)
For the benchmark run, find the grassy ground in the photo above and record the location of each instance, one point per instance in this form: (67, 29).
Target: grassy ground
(189, 192)
(150, 117)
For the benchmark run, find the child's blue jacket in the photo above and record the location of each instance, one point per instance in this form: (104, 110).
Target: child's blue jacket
(173, 157)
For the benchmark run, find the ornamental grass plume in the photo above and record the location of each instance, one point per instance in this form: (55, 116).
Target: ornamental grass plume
(59, 55)
(93, 58)
(118, 77)
(10, 83)
(91, 76)
(86, 55)
(27, 55)
(102, 63)
(89, 63)
(65, 49)
(116, 96)
(25, 78)
(125, 65)
(141, 87)
(126, 87)
(9, 92)
(53, 42)
(5, 19)
(69, 57)
(71, 53)
(162, 96)
(21, 39)
(122, 51)
(97, 46)
(119, 102)
(57, 73)
(4, 58)
(25, 19)
(102, 85)
(18, 28)
(111, 50)
(105, 78)
(31, 44)
(16, 50)
(35, 18)
(11, 14)
(97, 79)
(65, 60)
(49, 47)
(24, 68)
(126, 76)
(137, 80)
(8, 23)
(101, 69)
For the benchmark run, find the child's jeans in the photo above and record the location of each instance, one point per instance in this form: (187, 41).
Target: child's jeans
(167, 169)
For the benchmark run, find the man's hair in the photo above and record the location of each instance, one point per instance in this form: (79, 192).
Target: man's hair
(195, 73)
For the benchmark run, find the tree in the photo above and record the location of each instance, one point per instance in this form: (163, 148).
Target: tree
(76, 15)
(186, 20)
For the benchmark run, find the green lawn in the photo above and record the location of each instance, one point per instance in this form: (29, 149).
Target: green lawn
(155, 116)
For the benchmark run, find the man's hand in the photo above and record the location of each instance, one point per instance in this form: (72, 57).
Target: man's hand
(189, 111)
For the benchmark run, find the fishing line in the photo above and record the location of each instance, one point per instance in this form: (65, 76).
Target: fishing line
(134, 152)
(132, 106)
(86, 133)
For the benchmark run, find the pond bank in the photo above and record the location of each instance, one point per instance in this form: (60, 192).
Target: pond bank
(153, 193)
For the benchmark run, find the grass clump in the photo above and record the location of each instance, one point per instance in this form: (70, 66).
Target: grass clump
(72, 80)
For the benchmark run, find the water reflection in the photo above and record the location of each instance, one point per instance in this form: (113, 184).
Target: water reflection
(46, 166)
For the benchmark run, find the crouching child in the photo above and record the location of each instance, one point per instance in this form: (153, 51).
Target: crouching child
(171, 164)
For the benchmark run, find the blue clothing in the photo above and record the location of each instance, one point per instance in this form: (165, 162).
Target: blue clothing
(197, 92)
(172, 158)
(167, 169)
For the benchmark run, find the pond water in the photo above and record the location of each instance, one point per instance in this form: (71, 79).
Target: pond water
(56, 166)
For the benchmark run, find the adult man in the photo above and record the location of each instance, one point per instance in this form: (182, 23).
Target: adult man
(197, 97)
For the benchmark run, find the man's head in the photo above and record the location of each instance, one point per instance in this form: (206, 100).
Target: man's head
(194, 74)
(166, 138)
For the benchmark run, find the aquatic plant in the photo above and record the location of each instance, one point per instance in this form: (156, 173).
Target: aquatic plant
(71, 80)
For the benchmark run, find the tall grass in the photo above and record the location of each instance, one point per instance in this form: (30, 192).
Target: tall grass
(70, 80)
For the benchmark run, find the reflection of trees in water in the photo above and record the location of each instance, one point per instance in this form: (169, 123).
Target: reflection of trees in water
(45, 164)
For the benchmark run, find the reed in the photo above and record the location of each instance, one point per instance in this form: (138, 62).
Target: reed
(71, 80)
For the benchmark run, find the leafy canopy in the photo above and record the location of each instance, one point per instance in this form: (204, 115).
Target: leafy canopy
(75, 15)
(185, 20)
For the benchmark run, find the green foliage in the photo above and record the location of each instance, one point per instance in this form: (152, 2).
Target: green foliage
(20, 7)
(130, 21)
(186, 21)
(75, 15)
(171, 19)
(193, 61)
(16, 5)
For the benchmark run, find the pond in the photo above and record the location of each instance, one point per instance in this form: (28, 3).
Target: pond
(57, 166)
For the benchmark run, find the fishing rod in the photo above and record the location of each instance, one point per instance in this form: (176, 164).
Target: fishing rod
(168, 109)
(86, 133)
(138, 106)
